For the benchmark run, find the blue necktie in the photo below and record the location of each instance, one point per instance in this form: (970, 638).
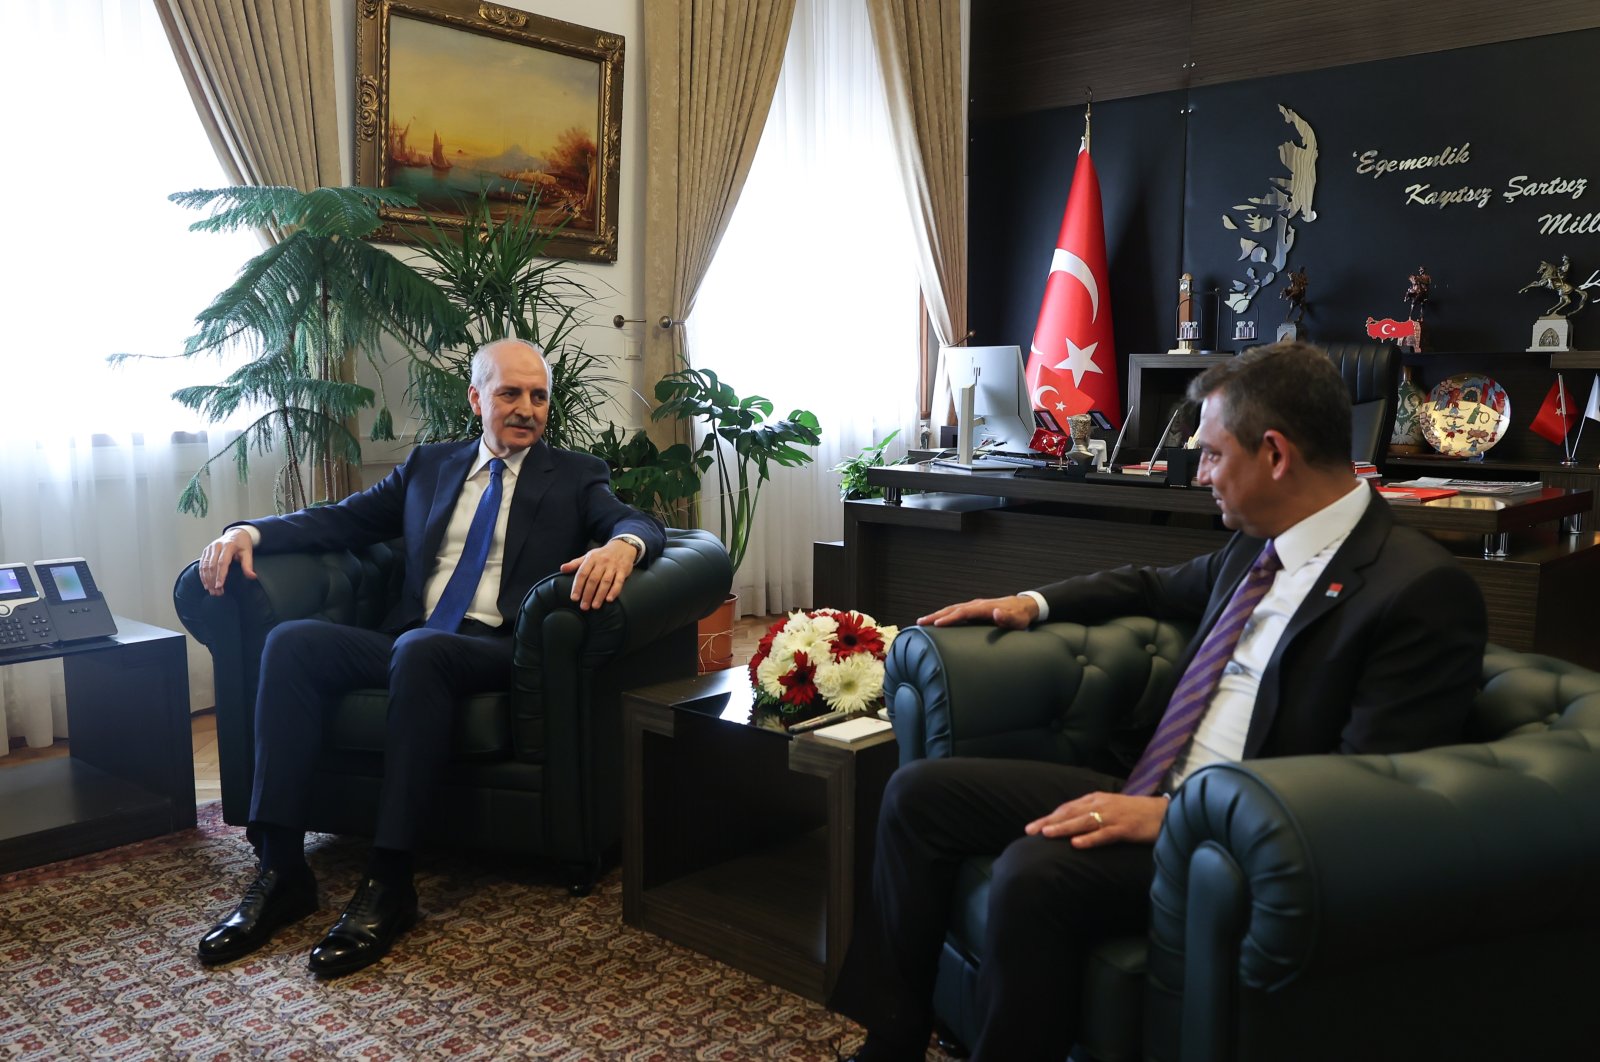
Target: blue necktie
(463, 583)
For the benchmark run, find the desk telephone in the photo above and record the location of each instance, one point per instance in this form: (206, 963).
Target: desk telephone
(61, 605)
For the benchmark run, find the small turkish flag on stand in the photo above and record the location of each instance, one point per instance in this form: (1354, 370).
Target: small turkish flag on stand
(1554, 418)
(1072, 363)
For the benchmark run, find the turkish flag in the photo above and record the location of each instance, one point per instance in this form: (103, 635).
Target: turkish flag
(1072, 363)
(1555, 416)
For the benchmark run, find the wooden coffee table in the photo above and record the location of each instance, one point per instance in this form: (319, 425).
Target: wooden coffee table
(745, 844)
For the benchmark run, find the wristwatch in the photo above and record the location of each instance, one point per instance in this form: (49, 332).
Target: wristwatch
(636, 542)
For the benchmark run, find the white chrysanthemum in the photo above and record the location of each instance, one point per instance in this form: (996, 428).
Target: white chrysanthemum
(851, 684)
(890, 632)
(804, 634)
(770, 670)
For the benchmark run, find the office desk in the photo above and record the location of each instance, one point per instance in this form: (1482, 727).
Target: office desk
(982, 535)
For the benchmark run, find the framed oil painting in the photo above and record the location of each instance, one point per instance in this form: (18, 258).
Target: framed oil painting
(457, 99)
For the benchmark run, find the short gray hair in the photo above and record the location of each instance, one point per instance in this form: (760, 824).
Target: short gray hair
(480, 359)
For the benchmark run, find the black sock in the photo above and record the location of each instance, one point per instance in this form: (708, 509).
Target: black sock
(390, 866)
(283, 850)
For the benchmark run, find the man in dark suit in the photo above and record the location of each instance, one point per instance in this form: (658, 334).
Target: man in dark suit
(482, 521)
(1322, 628)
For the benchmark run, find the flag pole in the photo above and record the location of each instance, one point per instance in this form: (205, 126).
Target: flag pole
(1567, 445)
(1088, 113)
(1581, 424)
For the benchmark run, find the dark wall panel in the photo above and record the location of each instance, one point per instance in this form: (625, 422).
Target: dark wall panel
(1172, 164)
(1030, 55)
(1367, 237)
(1021, 170)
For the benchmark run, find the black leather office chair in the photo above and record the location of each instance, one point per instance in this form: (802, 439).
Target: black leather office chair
(1372, 373)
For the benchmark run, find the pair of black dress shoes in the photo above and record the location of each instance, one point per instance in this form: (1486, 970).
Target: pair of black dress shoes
(372, 921)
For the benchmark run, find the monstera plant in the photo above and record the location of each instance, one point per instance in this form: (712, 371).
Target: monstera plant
(739, 442)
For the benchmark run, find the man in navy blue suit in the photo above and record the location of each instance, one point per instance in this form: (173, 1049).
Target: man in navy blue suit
(482, 522)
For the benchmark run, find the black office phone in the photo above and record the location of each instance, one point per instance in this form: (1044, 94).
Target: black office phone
(25, 620)
(77, 608)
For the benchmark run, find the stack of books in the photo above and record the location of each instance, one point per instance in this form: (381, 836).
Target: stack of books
(1365, 469)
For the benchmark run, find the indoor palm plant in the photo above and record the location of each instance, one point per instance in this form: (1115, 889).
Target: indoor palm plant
(739, 442)
(494, 271)
(302, 310)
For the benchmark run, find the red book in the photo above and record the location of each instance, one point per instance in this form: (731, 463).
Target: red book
(1417, 494)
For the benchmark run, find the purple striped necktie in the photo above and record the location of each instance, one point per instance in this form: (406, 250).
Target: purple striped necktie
(1200, 678)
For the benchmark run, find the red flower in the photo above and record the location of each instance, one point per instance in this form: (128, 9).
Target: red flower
(797, 685)
(855, 635)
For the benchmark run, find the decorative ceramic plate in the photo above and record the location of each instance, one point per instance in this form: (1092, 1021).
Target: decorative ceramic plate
(1465, 415)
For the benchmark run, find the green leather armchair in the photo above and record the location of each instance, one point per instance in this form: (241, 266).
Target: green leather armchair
(1436, 904)
(535, 772)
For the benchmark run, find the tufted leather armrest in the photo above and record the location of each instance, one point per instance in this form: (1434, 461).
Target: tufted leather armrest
(1274, 870)
(1057, 691)
(558, 644)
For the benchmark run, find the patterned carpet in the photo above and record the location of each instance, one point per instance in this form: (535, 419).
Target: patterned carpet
(97, 961)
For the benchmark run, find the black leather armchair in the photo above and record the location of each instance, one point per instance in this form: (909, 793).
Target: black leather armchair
(1437, 904)
(535, 771)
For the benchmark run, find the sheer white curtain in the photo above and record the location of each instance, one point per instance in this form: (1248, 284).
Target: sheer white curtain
(99, 262)
(812, 297)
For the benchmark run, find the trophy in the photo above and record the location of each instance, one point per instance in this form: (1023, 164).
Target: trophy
(1295, 292)
(1418, 287)
(1553, 330)
(1188, 327)
(1079, 425)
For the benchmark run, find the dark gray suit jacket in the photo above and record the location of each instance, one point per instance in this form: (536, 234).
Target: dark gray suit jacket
(1383, 656)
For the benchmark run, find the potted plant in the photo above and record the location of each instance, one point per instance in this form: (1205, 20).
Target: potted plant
(853, 485)
(742, 445)
(302, 309)
(494, 271)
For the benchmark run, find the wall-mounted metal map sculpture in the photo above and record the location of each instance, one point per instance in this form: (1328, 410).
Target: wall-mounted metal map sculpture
(1264, 222)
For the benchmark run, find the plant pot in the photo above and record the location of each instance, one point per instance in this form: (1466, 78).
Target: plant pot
(716, 637)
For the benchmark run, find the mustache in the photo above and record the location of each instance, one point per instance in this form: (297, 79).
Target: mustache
(514, 421)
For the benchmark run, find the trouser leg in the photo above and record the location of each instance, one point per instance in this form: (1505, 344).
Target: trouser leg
(935, 814)
(429, 671)
(306, 666)
(1049, 903)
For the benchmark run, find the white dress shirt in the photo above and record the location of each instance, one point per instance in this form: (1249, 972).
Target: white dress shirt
(1305, 550)
(485, 606)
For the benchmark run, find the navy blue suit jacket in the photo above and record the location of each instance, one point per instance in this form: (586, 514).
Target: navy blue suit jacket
(562, 504)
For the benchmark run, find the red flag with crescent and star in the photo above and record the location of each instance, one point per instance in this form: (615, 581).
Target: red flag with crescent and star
(1072, 363)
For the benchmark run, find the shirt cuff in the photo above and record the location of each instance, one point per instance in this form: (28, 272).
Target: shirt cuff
(633, 540)
(254, 533)
(1038, 599)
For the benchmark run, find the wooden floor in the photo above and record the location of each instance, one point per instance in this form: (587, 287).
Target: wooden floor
(207, 776)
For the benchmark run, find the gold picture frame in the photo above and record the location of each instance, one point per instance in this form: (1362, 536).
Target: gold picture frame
(515, 103)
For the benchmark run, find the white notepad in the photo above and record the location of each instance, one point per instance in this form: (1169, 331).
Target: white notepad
(853, 730)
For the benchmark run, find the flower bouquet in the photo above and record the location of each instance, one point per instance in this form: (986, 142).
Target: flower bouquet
(812, 663)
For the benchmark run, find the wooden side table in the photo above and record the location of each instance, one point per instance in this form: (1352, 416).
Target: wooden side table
(747, 845)
(130, 774)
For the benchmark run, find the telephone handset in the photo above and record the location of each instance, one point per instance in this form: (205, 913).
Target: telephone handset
(63, 605)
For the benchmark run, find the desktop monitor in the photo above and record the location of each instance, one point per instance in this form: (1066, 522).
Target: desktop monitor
(1002, 413)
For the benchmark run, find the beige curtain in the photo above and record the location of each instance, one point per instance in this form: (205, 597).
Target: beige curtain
(710, 70)
(919, 51)
(262, 79)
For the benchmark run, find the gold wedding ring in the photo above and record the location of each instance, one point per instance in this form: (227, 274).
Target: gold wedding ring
(1098, 821)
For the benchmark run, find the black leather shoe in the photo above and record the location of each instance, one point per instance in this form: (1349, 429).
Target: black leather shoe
(876, 1049)
(271, 902)
(372, 921)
